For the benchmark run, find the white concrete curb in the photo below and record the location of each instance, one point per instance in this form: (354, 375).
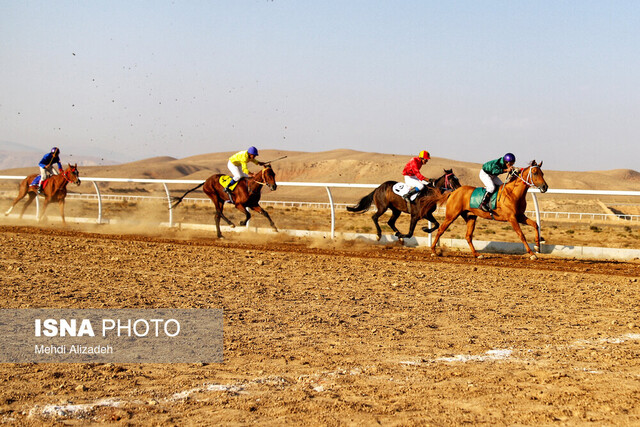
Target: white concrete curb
(482, 246)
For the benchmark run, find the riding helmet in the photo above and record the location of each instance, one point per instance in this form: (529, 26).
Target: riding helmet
(253, 151)
(424, 155)
(54, 150)
(509, 158)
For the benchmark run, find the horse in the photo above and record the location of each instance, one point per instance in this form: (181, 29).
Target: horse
(246, 195)
(510, 208)
(385, 198)
(54, 189)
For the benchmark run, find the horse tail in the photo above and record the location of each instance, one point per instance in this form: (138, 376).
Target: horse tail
(364, 204)
(176, 200)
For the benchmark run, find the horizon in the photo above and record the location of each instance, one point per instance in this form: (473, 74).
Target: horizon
(464, 80)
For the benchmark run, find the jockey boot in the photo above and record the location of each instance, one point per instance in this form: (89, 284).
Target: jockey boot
(39, 188)
(228, 191)
(410, 193)
(484, 204)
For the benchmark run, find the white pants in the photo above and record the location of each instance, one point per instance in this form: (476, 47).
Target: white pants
(414, 182)
(490, 181)
(236, 172)
(47, 172)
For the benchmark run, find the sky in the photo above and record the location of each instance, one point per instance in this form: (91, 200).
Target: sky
(548, 80)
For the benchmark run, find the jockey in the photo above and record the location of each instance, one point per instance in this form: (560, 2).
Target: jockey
(489, 176)
(46, 166)
(238, 166)
(412, 175)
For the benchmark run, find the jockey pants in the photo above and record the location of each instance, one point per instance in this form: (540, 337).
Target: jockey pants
(414, 182)
(490, 181)
(47, 172)
(236, 172)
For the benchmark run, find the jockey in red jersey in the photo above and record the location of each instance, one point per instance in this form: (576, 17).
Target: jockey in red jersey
(412, 175)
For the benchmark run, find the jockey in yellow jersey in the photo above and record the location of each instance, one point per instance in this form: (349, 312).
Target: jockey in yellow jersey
(238, 166)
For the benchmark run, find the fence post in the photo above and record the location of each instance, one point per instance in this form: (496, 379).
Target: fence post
(166, 190)
(99, 201)
(535, 204)
(333, 213)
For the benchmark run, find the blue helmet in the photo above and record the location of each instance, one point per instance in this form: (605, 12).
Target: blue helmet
(54, 150)
(509, 158)
(253, 151)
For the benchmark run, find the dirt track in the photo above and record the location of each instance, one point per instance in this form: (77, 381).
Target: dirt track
(322, 332)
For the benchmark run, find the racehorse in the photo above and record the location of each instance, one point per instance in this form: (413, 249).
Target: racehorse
(510, 207)
(384, 198)
(54, 189)
(246, 195)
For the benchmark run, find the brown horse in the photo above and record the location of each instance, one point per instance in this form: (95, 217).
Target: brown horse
(384, 198)
(511, 206)
(246, 195)
(54, 189)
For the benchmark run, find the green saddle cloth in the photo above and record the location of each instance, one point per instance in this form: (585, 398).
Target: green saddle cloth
(478, 194)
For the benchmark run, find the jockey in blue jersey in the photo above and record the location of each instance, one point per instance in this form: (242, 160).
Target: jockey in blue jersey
(46, 166)
(489, 176)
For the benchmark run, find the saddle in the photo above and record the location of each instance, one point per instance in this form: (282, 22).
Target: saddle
(400, 188)
(36, 181)
(224, 180)
(478, 194)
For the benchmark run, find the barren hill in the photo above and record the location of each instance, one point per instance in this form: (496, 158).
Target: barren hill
(341, 166)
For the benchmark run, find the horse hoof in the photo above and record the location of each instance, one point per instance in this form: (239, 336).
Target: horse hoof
(232, 226)
(536, 248)
(480, 256)
(378, 238)
(533, 257)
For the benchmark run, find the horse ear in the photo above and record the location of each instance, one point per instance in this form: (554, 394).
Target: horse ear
(533, 163)
(540, 163)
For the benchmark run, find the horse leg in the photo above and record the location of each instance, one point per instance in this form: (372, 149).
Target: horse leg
(32, 196)
(23, 192)
(412, 225)
(523, 219)
(247, 215)
(429, 216)
(516, 227)
(443, 227)
(44, 208)
(266, 215)
(471, 226)
(61, 204)
(395, 214)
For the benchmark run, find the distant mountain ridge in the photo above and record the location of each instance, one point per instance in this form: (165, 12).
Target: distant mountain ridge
(340, 166)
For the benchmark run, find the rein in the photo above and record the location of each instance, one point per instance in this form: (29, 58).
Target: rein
(529, 180)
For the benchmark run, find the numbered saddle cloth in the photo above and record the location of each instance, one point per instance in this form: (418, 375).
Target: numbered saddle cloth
(224, 180)
(400, 188)
(478, 194)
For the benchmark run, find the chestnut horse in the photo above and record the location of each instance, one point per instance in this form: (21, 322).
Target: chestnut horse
(246, 195)
(511, 206)
(54, 189)
(384, 198)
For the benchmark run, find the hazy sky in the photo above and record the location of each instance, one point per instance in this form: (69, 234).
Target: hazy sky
(553, 80)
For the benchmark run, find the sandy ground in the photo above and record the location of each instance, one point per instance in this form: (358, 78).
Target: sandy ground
(331, 333)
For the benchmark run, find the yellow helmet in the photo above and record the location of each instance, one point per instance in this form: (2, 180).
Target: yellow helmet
(424, 155)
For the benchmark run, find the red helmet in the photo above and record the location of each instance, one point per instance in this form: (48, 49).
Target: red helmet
(424, 155)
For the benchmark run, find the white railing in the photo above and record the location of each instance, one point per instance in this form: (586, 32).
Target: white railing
(328, 186)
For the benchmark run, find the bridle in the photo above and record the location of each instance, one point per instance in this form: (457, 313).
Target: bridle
(447, 183)
(529, 180)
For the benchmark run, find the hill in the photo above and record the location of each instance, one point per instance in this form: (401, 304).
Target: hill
(339, 166)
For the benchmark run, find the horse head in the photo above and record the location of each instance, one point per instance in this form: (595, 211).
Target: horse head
(72, 175)
(448, 181)
(269, 177)
(533, 176)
